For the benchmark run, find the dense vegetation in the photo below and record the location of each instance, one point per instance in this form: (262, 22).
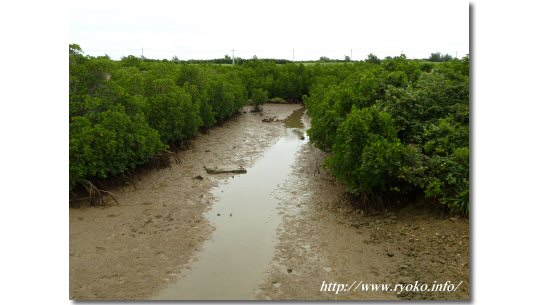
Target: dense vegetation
(121, 113)
(397, 127)
(393, 126)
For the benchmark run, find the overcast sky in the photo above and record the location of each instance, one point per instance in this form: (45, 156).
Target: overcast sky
(270, 29)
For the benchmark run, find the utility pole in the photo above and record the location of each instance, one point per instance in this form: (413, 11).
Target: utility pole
(293, 56)
(351, 57)
(142, 52)
(233, 56)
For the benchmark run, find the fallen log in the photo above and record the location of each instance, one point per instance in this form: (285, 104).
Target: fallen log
(225, 169)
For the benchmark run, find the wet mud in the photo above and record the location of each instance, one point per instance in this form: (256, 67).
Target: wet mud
(276, 232)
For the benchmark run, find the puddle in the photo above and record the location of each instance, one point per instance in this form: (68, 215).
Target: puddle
(295, 120)
(234, 260)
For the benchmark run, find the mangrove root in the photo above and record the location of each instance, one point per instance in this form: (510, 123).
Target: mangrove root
(95, 195)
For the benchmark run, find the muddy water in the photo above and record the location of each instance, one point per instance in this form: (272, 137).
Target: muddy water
(234, 261)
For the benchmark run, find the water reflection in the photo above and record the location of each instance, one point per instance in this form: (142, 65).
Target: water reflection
(233, 261)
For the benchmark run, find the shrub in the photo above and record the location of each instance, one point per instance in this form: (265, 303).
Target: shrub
(328, 108)
(107, 143)
(367, 155)
(277, 100)
(258, 97)
(398, 126)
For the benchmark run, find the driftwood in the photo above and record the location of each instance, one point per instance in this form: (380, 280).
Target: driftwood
(225, 169)
(269, 120)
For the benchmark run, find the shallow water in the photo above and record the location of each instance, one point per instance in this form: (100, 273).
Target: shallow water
(234, 260)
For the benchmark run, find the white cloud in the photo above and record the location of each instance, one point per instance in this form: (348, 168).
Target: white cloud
(209, 29)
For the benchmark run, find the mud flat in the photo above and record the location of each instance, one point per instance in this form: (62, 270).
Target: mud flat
(245, 217)
(276, 232)
(324, 238)
(137, 248)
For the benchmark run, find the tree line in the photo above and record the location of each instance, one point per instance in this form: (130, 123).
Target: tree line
(396, 127)
(392, 126)
(121, 113)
